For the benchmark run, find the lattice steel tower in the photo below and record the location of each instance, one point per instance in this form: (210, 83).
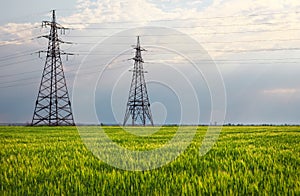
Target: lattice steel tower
(53, 106)
(138, 105)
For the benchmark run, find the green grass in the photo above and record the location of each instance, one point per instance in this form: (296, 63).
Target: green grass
(245, 160)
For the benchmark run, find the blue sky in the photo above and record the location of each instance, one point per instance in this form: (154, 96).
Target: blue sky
(254, 45)
(31, 10)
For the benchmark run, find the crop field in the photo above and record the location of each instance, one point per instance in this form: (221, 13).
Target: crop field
(244, 160)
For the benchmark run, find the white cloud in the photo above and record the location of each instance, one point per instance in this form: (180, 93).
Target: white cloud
(176, 59)
(204, 23)
(281, 91)
(17, 33)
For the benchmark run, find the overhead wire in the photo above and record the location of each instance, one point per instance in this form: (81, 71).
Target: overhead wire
(221, 61)
(18, 55)
(187, 27)
(190, 19)
(72, 71)
(197, 51)
(204, 42)
(183, 34)
(20, 30)
(18, 62)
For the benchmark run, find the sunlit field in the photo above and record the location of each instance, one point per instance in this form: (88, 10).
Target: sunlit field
(245, 160)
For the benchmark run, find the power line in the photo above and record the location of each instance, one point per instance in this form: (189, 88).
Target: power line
(17, 41)
(187, 19)
(252, 31)
(255, 50)
(17, 85)
(216, 50)
(217, 60)
(20, 30)
(30, 16)
(184, 34)
(15, 56)
(189, 27)
(205, 42)
(19, 80)
(256, 59)
(190, 19)
(69, 70)
(168, 19)
(221, 61)
(249, 41)
(18, 62)
(93, 72)
(17, 74)
(198, 51)
(7, 42)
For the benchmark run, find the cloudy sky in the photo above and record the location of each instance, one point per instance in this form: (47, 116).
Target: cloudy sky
(246, 54)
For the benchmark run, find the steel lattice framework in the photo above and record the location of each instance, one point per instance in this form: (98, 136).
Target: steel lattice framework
(138, 105)
(53, 106)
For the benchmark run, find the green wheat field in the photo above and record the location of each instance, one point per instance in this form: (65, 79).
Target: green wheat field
(254, 160)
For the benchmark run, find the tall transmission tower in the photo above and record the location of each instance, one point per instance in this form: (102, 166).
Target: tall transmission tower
(53, 106)
(138, 105)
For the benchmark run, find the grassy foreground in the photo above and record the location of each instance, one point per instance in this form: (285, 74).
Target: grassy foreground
(245, 160)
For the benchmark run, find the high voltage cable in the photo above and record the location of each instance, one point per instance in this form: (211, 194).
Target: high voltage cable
(20, 30)
(28, 16)
(69, 70)
(23, 84)
(12, 57)
(184, 27)
(5, 42)
(230, 51)
(184, 34)
(16, 85)
(266, 23)
(178, 19)
(17, 74)
(151, 62)
(18, 62)
(152, 27)
(247, 41)
(16, 55)
(240, 63)
(22, 79)
(8, 42)
(198, 51)
(69, 77)
(205, 42)
(191, 19)
(31, 78)
(255, 59)
(255, 50)
(88, 53)
(160, 62)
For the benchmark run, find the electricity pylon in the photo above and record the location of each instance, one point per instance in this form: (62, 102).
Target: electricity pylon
(138, 105)
(53, 106)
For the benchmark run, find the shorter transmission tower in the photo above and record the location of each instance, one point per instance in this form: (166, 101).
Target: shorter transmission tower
(53, 106)
(138, 105)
